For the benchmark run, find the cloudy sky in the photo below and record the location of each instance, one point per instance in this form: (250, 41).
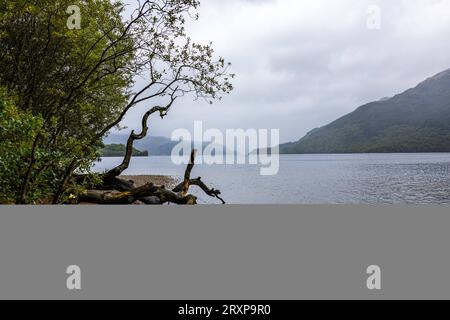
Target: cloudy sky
(301, 64)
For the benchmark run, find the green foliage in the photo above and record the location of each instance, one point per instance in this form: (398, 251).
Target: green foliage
(17, 132)
(72, 87)
(50, 68)
(119, 150)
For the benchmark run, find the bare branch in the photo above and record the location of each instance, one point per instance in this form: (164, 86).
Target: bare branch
(134, 137)
(183, 188)
(187, 174)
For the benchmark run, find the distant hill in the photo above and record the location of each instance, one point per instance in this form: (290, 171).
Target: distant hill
(417, 120)
(119, 150)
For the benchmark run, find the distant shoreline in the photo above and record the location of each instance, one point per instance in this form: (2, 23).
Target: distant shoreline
(343, 153)
(368, 153)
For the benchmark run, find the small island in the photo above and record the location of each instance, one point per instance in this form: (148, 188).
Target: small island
(119, 150)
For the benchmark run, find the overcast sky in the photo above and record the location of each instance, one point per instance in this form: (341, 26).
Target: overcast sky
(301, 64)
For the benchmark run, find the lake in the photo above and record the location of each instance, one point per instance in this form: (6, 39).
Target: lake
(317, 179)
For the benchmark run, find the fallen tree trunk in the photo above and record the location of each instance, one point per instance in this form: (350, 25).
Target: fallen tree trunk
(137, 194)
(118, 191)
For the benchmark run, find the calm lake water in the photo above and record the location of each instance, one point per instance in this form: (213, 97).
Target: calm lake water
(318, 179)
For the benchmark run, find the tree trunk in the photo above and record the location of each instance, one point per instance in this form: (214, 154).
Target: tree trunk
(126, 193)
(143, 193)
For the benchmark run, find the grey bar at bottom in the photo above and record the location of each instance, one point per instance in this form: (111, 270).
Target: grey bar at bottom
(225, 252)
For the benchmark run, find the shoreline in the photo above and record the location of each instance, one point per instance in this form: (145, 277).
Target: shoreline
(158, 180)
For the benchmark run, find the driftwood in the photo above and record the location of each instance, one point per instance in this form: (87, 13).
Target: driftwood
(183, 188)
(137, 194)
(199, 183)
(118, 191)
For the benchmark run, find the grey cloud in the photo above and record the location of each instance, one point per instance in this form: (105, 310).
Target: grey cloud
(303, 63)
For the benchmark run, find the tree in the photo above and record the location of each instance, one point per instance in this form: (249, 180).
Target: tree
(17, 130)
(80, 81)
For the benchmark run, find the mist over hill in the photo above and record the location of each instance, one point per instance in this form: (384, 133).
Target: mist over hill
(417, 120)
